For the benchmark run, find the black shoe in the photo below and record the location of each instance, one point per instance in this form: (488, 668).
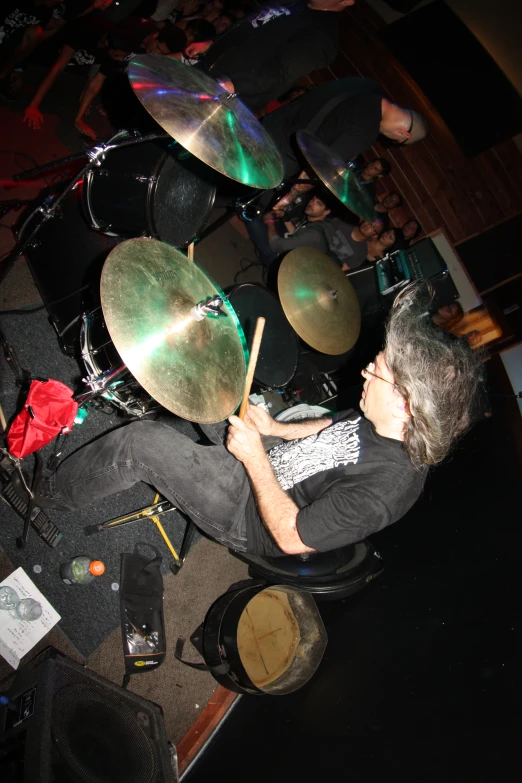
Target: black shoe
(42, 497)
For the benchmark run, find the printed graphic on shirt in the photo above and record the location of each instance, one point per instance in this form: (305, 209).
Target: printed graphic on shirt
(266, 14)
(16, 19)
(297, 460)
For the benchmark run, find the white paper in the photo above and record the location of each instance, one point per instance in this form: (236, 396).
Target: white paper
(17, 636)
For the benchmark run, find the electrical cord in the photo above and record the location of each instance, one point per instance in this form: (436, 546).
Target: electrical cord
(49, 304)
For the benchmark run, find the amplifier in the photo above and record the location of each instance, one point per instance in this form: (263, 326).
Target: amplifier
(65, 724)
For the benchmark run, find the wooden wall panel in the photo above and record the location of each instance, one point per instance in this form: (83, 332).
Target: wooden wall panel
(440, 187)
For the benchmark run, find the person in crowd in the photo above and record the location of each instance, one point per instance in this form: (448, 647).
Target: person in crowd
(26, 24)
(411, 230)
(101, 42)
(223, 23)
(347, 115)
(358, 241)
(382, 245)
(274, 488)
(388, 202)
(265, 232)
(265, 55)
(448, 316)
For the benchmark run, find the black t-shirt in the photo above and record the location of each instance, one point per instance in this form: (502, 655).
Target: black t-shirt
(265, 55)
(350, 127)
(15, 16)
(347, 481)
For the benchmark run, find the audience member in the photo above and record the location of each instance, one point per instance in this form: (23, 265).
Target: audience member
(99, 41)
(264, 55)
(26, 24)
(448, 316)
(382, 245)
(355, 250)
(346, 114)
(223, 23)
(389, 201)
(411, 230)
(266, 232)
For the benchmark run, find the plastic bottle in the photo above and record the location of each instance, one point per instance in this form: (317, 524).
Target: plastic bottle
(81, 570)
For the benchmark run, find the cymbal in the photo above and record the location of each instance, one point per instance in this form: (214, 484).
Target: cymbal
(195, 369)
(319, 301)
(338, 178)
(206, 119)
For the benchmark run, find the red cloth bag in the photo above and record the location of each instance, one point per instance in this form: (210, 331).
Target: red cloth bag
(48, 411)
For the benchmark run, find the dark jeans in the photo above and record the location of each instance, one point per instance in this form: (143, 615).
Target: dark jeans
(205, 482)
(258, 233)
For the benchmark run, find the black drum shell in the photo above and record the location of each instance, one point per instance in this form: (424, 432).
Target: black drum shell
(153, 188)
(278, 354)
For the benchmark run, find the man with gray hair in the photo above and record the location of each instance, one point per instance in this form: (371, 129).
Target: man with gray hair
(274, 488)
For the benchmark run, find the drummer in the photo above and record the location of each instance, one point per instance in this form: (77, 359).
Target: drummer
(275, 488)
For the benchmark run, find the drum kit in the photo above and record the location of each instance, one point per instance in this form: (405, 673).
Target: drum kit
(165, 334)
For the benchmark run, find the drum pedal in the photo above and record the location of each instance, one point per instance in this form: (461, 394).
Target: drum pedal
(45, 528)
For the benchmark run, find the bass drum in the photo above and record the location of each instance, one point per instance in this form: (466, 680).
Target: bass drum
(277, 361)
(153, 188)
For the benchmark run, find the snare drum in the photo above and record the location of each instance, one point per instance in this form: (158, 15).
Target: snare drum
(99, 355)
(153, 188)
(277, 361)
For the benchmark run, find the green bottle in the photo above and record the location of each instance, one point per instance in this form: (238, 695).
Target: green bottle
(81, 570)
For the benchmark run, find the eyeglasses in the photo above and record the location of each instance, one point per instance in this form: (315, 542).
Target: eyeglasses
(400, 143)
(369, 372)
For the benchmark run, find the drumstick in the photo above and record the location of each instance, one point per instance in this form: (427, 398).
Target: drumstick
(256, 343)
(190, 252)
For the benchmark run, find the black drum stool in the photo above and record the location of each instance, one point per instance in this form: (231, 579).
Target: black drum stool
(328, 575)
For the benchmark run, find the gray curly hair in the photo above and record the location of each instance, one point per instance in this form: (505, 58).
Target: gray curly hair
(438, 376)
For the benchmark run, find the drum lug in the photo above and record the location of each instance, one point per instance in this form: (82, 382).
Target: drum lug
(141, 178)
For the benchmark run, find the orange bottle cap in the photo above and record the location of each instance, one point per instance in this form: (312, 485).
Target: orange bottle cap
(97, 568)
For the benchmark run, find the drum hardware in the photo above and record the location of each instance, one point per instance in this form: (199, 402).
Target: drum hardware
(339, 177)
(211, 307)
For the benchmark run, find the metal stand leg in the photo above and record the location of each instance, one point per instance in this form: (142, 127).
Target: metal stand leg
(185, 546)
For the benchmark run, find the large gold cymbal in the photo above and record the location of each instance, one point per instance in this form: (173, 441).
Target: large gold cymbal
(338, 178)
(206, 119)
(319, 301)
(196, 369)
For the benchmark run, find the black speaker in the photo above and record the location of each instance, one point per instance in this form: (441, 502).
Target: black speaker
(65, 724)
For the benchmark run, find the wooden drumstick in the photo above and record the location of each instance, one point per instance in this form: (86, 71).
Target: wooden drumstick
(256, 344)
(190, 252)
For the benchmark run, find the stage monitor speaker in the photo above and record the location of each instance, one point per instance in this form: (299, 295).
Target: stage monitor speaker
(68, 725)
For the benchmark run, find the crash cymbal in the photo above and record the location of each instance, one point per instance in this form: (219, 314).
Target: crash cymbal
(319, 301)
(196, 369)
(207, 120)
(333, 171)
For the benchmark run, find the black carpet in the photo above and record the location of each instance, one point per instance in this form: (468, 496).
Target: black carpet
(89, 613)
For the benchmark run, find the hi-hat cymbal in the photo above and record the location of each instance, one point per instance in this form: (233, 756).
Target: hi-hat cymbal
(319, 301)
(196, 369)
(207, 120)
(338, 178)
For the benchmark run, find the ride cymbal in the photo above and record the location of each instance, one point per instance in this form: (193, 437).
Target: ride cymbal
(206, 119)
(319, 301)
(195, 369)
(335, 174)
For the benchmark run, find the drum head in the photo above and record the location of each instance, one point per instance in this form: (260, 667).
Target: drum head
(277, 361)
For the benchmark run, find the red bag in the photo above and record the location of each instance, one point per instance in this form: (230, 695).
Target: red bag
(48, 411)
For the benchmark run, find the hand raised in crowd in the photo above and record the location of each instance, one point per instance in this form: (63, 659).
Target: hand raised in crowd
(33, 117)
(82, 127)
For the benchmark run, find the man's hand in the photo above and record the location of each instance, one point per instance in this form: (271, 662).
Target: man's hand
(227, 85)
(82, 127)
(261, 420)
(33, 117)
(244, 440)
